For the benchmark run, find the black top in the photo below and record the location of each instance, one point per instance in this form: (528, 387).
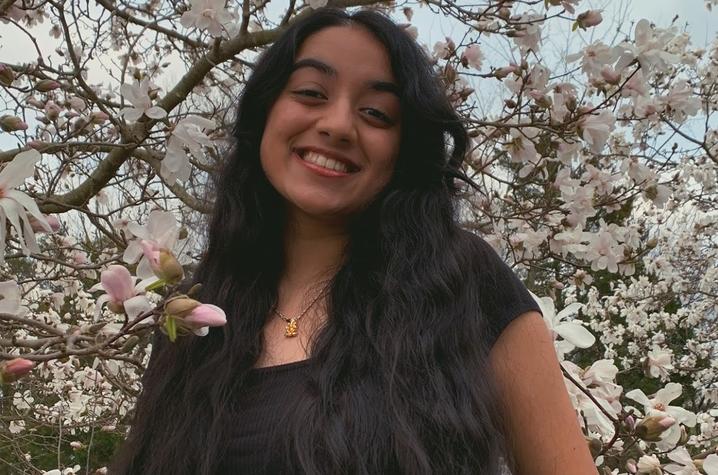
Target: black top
(252, 444)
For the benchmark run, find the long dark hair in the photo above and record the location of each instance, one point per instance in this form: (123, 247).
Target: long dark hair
(400, 373)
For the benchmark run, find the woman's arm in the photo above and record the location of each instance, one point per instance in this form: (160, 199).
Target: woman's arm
(542, 429)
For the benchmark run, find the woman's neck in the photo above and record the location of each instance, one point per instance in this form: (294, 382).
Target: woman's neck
(313, 249)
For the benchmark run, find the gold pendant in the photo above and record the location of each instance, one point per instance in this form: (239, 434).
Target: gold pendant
(291, 328)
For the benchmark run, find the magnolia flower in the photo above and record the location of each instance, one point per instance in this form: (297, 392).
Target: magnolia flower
(10, 298)
(588, 19)
(659, 405)
(39, 227)
(187, 133)
(161, 231)
(163, 263)
(203, 317)
(12, 370)
(596, 129)
(573, 333)
(188, 314)
(684, 465)
(11, 123)
(208, 15)
(594, 57)
(472, 57)
(122, 294)
(138, 96)
(681, 101)
(649, 48)
(658, 363)
(15, 205)
(710, 464)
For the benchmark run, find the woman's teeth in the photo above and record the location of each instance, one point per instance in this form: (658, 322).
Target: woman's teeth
(324, 162)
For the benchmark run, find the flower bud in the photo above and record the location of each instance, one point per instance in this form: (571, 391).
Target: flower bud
(631, 466)
(588, 19)
(501, 73)
(10, 123)
(52, 110)
(99, 117)
(651, 427)
(46, 85)
(12, 370)
(163, 263)
(180, 306)
(39, 227)
(37, 144)
(206, 315)
(595, 446)
(610, 75)
(7, 75)
(36, 103)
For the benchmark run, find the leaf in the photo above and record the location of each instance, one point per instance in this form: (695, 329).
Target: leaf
(171, 327)
(156, 285)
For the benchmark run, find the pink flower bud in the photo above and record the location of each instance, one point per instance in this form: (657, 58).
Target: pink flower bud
(162, 262)
(651, 427)
(610, 75)
(52, 110)
(7, 75)
(12, 370)
(36, 103)
(119, 286)
(206, 315)
(37, 144)
(501, 73)
(10, 123)
(46, 85)
(589, 18)
(99, 117)
(38, 227)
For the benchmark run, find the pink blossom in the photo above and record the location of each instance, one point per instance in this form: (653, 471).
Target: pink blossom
(206, 315)
(39, 227)
(121, 293)
(15, 369)
(472, 57)
(11, 123)
(589, 18)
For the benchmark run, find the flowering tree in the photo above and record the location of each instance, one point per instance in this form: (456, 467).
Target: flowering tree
(598, 183)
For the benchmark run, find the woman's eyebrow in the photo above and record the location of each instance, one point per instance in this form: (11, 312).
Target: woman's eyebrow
(324, 68)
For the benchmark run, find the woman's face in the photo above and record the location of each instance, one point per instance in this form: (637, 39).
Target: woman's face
(332, 136)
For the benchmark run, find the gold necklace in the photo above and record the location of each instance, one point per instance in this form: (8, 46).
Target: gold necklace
(291, 329)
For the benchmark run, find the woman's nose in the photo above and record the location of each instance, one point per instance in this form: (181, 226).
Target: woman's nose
(337, 122)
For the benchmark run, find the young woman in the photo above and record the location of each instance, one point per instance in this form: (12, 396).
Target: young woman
(367, 333)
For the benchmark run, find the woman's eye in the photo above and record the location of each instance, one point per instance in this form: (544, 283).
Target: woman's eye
(379, 115)
(310, 93)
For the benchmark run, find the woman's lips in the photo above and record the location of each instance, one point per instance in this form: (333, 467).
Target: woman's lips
(320, 170)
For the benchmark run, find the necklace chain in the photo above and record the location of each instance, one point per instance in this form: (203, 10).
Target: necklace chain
(291, 328)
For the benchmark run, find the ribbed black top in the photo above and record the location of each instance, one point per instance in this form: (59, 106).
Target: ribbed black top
(253, 446)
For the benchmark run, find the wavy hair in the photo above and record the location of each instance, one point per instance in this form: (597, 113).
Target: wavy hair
(399, 373)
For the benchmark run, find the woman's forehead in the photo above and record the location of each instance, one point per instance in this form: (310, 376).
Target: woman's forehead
(349, 49)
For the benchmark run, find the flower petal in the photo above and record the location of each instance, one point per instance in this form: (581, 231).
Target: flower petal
(669, 393)
(20, 168)
(576, 334)
(136, 306)
(156, 112)
(639, 396)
